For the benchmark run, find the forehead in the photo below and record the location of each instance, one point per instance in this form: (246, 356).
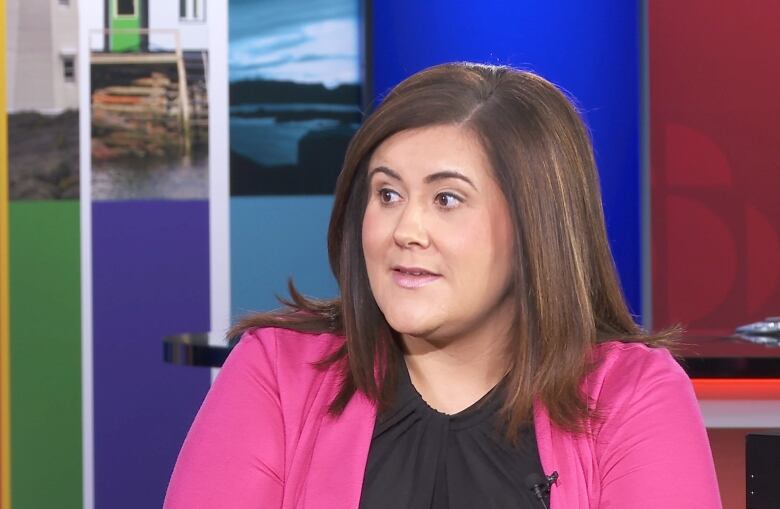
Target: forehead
(427, 149)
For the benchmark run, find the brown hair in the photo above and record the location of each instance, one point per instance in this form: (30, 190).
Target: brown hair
(566, 290)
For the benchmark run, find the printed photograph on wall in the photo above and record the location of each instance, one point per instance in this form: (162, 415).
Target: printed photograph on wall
(43, 118)
(295, 93)
(149, 101)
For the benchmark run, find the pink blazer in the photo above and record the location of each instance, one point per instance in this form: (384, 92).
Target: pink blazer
(263, 439)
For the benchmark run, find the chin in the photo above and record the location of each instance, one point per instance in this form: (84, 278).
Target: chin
(416, 332)
(412, 324)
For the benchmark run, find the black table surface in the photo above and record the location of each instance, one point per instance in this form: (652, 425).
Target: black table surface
(702, 356)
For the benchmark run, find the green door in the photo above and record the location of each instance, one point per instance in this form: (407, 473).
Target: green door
(125, 21)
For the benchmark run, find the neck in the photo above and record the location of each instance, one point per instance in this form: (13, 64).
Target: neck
(453, 373)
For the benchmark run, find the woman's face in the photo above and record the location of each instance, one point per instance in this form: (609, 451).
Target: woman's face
(437, 237)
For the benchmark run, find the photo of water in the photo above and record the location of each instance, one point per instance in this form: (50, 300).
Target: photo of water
(295, 93)
(172, 178)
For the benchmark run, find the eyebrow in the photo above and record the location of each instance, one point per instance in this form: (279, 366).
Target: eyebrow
(433, 177)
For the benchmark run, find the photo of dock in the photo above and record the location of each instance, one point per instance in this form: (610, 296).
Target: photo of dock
(149, 102)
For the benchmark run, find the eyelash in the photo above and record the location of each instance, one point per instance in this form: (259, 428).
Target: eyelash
(380, 193)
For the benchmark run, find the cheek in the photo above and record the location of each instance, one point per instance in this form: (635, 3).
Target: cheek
(503, 255)
(503, 233)
(373, 236)
(475, 243)
(483, 250)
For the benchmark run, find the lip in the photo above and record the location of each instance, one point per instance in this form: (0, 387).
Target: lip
(413, 277)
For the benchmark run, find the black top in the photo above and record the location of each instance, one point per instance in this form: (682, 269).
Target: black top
(421, 458)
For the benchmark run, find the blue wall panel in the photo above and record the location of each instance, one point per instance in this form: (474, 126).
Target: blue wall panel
(591, 49)
(272, 239)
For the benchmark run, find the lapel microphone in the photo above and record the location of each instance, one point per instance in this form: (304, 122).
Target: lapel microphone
(541, 485)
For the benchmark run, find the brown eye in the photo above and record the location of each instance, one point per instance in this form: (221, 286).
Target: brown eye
(387, 195)
(447, 200)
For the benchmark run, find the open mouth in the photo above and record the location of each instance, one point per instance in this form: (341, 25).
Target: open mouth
(413, 277)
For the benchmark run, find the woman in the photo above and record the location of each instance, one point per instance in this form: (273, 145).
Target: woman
(480, 341)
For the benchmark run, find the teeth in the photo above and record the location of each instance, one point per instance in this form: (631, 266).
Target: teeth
(414, 273)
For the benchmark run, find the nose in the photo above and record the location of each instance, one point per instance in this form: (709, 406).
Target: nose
(411, 230)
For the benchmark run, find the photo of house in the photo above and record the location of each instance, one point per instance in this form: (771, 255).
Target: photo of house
(295, 93)
(42, 46)
(149, 100)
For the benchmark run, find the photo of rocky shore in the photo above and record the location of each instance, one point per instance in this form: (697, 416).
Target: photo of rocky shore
(289, 138)
(42, 100)
(43, 155)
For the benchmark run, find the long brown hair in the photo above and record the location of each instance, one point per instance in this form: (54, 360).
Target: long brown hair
(566, 290)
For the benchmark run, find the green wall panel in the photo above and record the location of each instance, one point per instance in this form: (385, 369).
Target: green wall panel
(45, 354)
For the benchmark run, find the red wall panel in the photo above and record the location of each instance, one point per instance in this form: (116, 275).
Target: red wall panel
(715, 162)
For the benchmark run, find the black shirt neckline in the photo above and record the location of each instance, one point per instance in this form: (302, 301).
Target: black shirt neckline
(481, 410)
(432, 460)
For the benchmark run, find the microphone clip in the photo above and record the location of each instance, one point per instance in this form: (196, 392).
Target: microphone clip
(542, 488)
(550, 480)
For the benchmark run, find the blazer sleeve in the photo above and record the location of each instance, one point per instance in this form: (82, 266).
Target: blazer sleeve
(233, 456)
(652, 447)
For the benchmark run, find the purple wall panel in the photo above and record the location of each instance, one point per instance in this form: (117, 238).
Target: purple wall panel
(150, 278)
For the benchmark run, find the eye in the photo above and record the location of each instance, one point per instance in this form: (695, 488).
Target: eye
(387, 196)
(447, 200)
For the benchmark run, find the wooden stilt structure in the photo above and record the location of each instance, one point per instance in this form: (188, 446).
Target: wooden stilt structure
(175, 56)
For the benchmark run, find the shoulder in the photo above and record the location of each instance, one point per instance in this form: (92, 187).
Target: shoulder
(634, 358)
(648, 433)
(624, 372)
(284, 358)
(637, 387)
(290, 343)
